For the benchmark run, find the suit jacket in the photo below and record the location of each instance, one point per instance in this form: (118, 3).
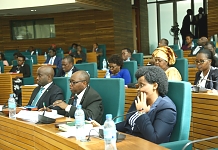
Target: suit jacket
(186, 25)
(76, 55)
(61, 72)
(25, 69)
(212, 76)
(57, 61)
(52, 93)
(91, 104)
(156, 125)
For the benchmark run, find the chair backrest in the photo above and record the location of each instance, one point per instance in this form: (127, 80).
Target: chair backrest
(113, 101)
(35, 60)
(29, 62)
(174, 47)
(132, 67)
(10, 51)
(179, 53)
(2, 67)
(25, 53)
(63, 83)
(61, 55)
(90, 67)
(9, 57)
(182, 66)
(139, 58)
(180, 94)
(39, 51)
(103, 56)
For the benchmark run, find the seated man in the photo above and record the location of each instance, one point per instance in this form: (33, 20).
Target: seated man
(127, 54)
(79, 54)
(163, 42)
(84, 95)
(68, 67)
(53, 60)
(47, 91)
(201, 43)
(23, 68)
(98, 51)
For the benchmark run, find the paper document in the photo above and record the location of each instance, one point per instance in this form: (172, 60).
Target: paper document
(1, 106)
(32, 116)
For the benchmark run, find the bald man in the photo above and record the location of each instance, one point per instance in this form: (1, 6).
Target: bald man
(84, 95)
(46, 91)
(201, 43)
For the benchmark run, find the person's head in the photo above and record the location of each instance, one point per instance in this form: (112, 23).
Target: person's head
(164, 57)
(31, 48)
(95, 45)
(126, 53)
(115, 63)
(189, 12)
(79, 48)
(211, 46)
(202, 41)
(52, 52)
(67, 63)
(2, 56)
(74, 45)
(201, 10)
(163, 42)
(16, 55)
(152, 80)
(189, 38)
(45, 75)
(79, 81)
(20, 60)
(204, 59)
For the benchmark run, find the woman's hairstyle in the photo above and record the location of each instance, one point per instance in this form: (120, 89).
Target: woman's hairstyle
(154, 74)
(116, 59)
(209, 55)
(2, 56)
(74, 44)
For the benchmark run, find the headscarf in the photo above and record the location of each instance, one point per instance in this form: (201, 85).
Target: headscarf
(165, 53)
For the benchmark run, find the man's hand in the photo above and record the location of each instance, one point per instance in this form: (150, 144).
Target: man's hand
(45, 109)
(60, 103)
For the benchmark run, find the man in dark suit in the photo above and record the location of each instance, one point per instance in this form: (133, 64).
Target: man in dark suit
(84, 95)
(68, 67)
(98, 51)
(47, 91)
(201, 43)
(185, 30)
(53, 60)
(127, 54)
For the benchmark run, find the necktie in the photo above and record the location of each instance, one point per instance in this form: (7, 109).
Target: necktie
(38, 95)
(75, 100)
(50, 61)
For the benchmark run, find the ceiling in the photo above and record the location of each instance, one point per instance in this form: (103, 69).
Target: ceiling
(48, 9)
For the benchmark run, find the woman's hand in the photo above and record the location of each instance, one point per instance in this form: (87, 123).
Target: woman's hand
(141, 104)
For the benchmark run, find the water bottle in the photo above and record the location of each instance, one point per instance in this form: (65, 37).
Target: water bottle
(88, 73)
(80, 123)
(104, 64)
(110, 133)
(128, 59)
(108, 75)
(32, 59)
(134, 52)
(37, 52)
(12, 107)
(45, 56)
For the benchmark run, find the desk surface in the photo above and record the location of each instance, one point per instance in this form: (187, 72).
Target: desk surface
(19, 134)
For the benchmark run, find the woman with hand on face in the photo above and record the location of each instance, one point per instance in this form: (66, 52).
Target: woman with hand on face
(207, 76)
(2, 58)
(153, 113)
(164, 57)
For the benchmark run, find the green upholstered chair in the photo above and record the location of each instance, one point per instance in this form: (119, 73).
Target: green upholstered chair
(2, 67)
(63, 83)
(112, 92)
(25, 53)
(132, 67)
(39, 51)
(180, 94)
(179, 53)
(103, 56)
(182, 66)
(90, 67)
(35, 60)
(10, 51)
(139, 58)
(9, 57)
(177, 145)
(60, 55)
(174, 47)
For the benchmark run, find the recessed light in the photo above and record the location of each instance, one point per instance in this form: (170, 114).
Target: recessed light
(32, 10)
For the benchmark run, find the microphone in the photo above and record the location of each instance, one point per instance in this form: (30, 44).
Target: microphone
(127, 114)
(197, 88)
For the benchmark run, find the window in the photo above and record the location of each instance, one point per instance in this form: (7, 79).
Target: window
(33, 29)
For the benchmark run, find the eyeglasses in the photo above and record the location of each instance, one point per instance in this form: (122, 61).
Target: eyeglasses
(75, 82)
(158, 60)
(112, 67)
(201, 61)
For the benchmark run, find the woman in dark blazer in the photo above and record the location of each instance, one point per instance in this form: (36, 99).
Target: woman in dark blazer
(207, 76)
(153, 114)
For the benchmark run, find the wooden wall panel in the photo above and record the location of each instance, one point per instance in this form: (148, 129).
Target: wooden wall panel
(212, 17)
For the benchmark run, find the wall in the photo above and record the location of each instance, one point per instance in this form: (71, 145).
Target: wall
(212, 17)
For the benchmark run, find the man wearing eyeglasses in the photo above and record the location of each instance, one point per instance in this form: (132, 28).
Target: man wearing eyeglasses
(84, 95)
(127, 54)
(201, 43)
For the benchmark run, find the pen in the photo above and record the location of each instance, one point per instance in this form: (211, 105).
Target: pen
(44, 108)
(55, 104)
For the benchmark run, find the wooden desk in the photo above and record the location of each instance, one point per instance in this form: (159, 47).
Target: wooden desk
(26, 92)
(204, 119)
(7, 68)
(101, 73)
(191, 60)
(146, 61)
(41, 59)
(21, 135)
(186, 53)
(6, 85)
(191, 75)
(91, 57)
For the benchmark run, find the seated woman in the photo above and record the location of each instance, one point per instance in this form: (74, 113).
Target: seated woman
(207, 76)
(79, 54)
(153, 113)
(116, 71)
(189, 42)
(2, 58)
(73, 48)
(164, 57)
(211, 46)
